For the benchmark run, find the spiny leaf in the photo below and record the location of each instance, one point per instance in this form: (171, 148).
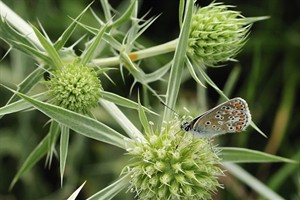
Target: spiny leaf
(242, 155)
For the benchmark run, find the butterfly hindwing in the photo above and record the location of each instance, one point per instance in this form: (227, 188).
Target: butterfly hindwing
(228, 117)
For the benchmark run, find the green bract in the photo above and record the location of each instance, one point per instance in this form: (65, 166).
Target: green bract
(74, 87)
(216, 34)
(173, 166)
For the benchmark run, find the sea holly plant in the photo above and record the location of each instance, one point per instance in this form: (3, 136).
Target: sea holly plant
(164, 162)
(70, 82)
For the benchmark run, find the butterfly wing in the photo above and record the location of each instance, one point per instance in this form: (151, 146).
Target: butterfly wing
(228, 117)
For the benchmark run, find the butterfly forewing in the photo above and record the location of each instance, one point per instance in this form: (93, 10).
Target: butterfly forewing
(228, 117)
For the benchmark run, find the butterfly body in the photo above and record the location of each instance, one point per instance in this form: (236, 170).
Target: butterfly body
(229, 117)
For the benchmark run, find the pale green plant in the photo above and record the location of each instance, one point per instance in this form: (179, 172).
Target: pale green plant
(168, 163)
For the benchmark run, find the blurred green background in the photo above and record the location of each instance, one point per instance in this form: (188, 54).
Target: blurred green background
(269, 67)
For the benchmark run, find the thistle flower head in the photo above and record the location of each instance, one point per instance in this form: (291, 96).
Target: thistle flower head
(216, 34)
(75, 87)
(173, 166)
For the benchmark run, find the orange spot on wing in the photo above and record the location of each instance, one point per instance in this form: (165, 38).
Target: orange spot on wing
(238, 106)
(240, 123)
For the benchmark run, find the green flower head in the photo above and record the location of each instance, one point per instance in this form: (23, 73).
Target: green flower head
(172, 165)
(74, 87)
(217, 34)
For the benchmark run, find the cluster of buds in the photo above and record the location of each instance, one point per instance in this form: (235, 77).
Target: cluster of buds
(172, 165)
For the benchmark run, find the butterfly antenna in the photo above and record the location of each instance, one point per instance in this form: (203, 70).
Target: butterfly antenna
(178, 116)
(170, 108)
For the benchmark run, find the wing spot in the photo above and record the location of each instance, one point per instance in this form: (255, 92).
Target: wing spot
(207, 123)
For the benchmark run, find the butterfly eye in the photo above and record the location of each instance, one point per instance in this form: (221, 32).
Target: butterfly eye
(185, 126)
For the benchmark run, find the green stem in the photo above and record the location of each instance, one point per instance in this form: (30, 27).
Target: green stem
(122, 120)
(138, 55)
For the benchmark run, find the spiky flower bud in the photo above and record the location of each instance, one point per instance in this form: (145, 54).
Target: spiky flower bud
(173, 166)
(216, 34)
(75, 87)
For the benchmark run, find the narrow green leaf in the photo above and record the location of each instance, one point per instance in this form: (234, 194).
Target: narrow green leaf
(125, 16)
(179, 56)
(141, 28)
(115, 44)
(242, 155)
(68, 32)
(210, 82)
(112, 190)
(121, 101)
(88, 54)
(19, 24)
(82, 124)
(49, 48)
(32, 159)
(54, 132)
(143, 117)
(103, 70)
(63, 150)
(181, 12)
(257, 129)
(14, 37)
(27, 84)
(106, 7)
(132, 67)
(158, 74)
(192, 72)
(31, 51)
(20, 105)
(76, 192)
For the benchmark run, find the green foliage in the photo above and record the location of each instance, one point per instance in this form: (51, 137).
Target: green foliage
(107, 119)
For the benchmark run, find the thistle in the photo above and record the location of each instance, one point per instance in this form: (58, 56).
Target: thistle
(217, 34)
(74, 87)
(173, 166)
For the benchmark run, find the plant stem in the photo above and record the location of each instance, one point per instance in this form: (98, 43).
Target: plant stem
(122, 120)
(137, 55)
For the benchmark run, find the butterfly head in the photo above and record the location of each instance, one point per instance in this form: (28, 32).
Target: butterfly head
(186, 126)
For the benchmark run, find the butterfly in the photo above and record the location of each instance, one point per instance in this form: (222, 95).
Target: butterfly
(229, 117)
